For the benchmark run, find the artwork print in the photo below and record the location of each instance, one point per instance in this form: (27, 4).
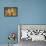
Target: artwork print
(10, 11)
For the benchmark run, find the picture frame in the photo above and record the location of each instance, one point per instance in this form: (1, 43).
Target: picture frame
(10, 11)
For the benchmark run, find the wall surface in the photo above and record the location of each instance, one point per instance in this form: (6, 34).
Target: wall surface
(29, 12)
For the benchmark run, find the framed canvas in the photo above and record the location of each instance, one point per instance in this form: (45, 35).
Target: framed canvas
(10, 11)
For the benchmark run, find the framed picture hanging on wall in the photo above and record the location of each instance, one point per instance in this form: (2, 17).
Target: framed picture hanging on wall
(10, 11)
